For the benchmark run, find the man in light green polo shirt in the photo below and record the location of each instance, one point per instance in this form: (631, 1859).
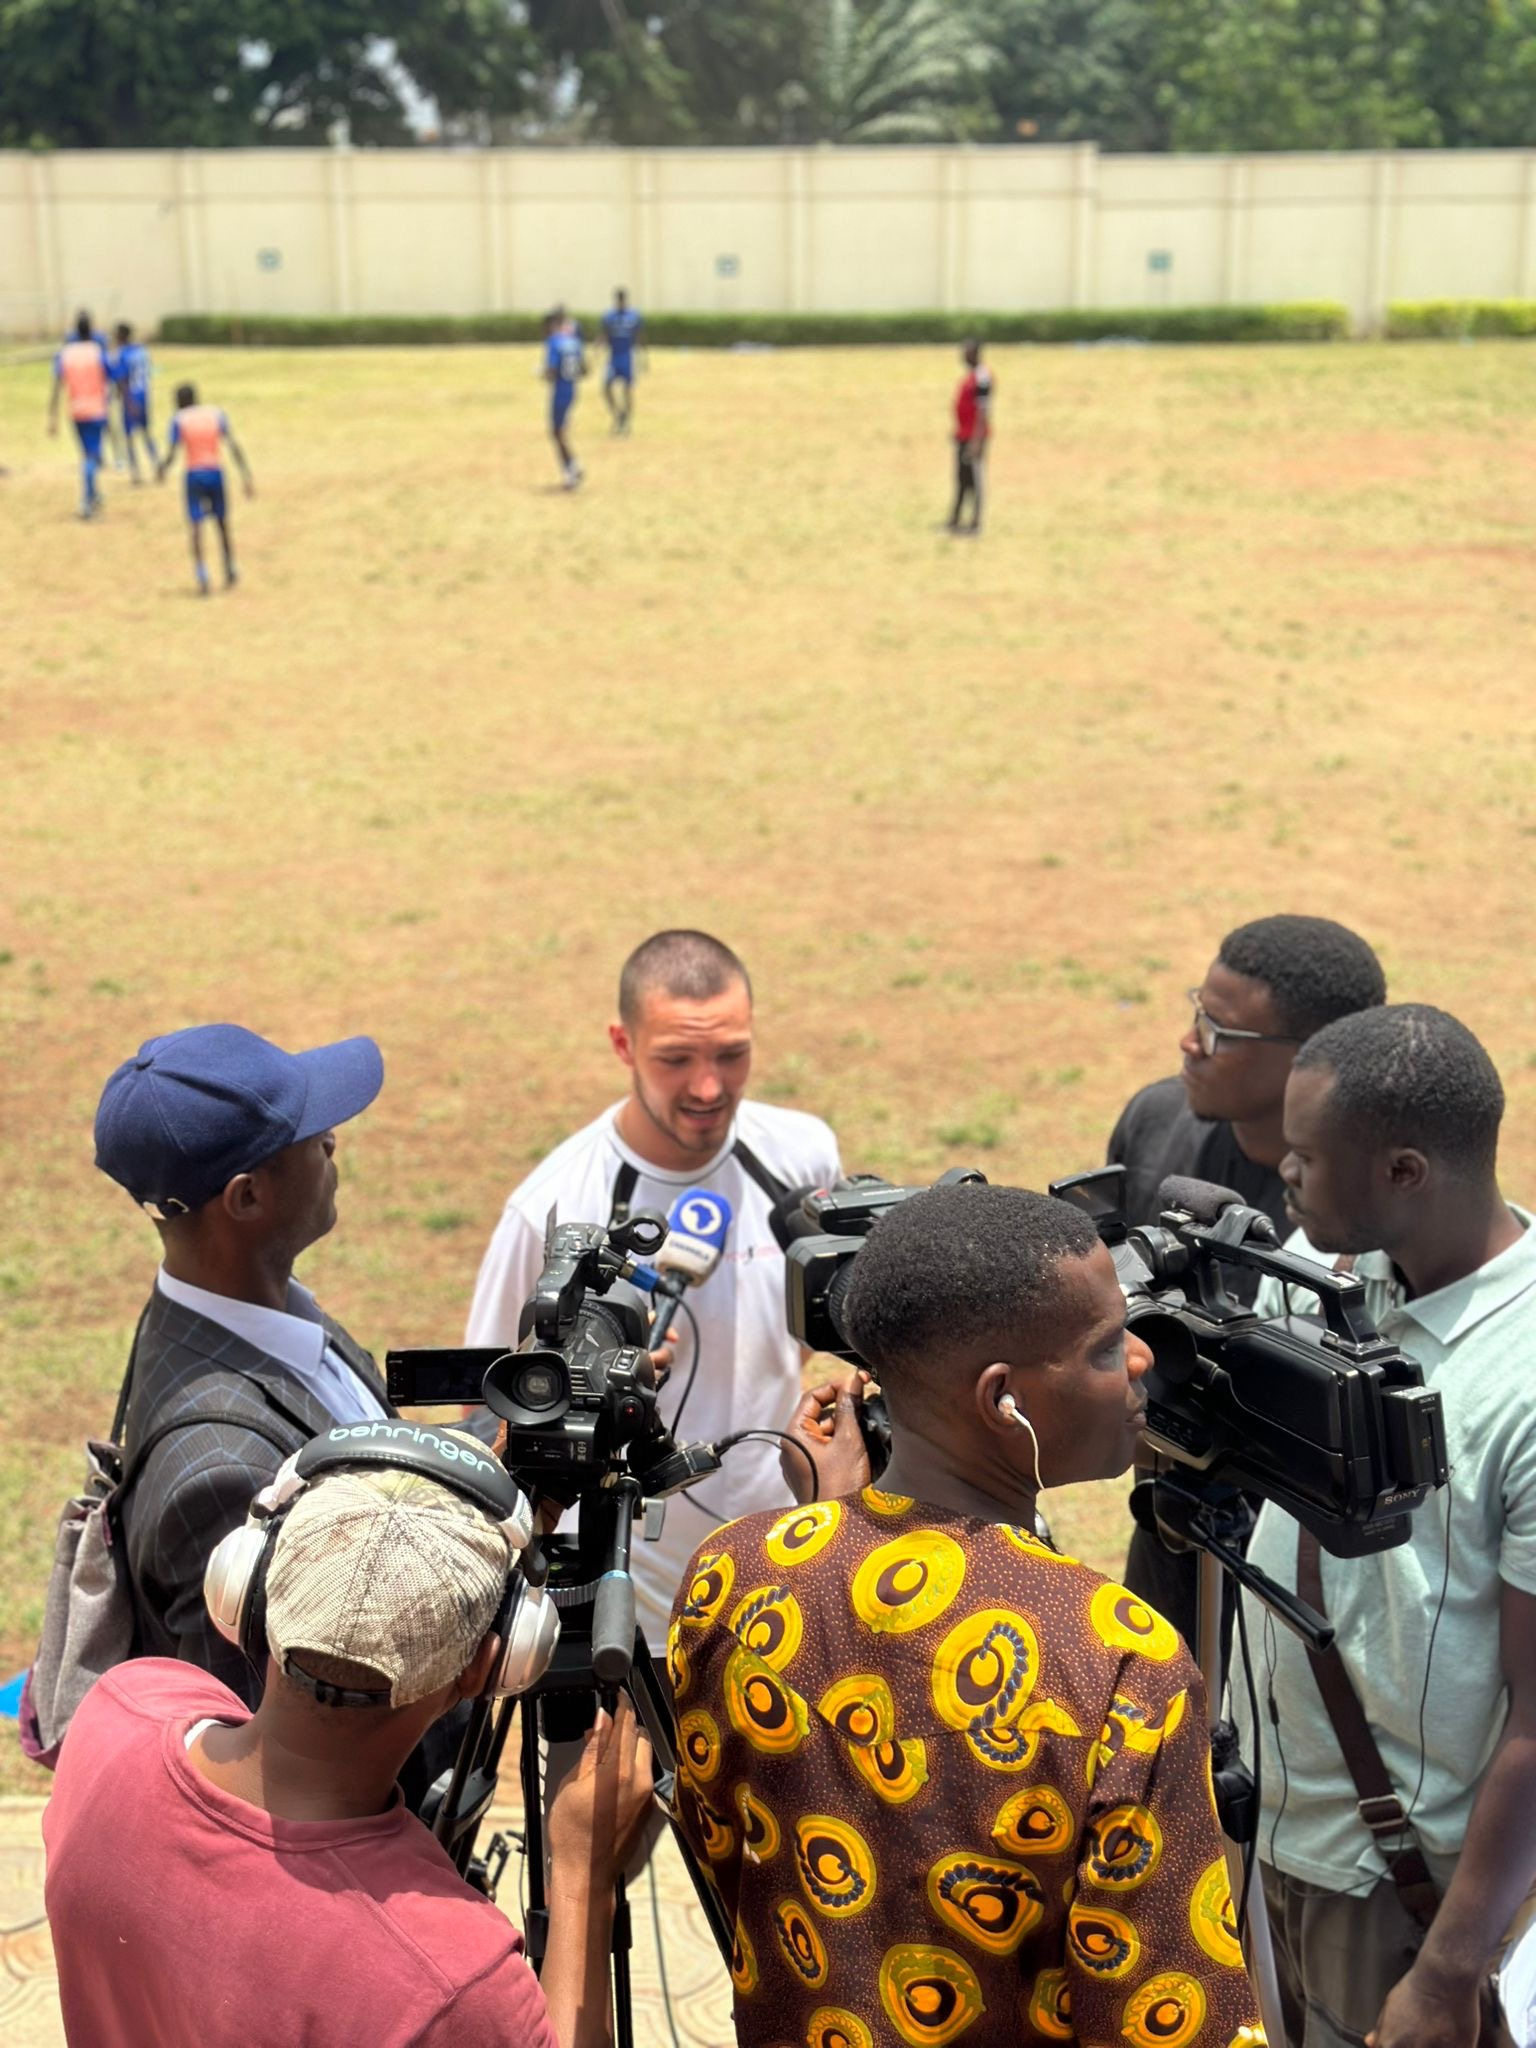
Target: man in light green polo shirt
(1392, 1120)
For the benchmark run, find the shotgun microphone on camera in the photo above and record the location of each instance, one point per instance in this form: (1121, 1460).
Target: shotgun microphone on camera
(1202, 1201)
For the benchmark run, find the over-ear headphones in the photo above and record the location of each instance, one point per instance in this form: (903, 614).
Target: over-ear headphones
(1006, 1405)
(235, 1581)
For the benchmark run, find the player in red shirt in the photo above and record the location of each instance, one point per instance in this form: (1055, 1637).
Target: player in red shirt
(973, 429)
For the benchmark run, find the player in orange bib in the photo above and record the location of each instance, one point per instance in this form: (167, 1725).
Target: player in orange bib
(201, 430)
(80, 370)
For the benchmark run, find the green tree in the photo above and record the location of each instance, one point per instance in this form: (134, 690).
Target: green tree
(1075, 70)
(137, 73)
(1345, 74)
(769, 70)
(894, 71)
(89, 74)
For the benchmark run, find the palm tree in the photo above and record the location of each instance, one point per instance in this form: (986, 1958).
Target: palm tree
(890, 70)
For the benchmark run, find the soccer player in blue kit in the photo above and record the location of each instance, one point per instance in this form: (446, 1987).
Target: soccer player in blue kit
(621, 330)
(565, 364)
(130, 375)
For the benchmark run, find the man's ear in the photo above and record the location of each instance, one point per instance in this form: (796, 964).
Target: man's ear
(619, 1039)
(471, 1681)
(241, 1199)
(1407, 1170)
(991, 1385)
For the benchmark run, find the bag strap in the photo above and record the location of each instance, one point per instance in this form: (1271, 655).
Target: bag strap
(625, 1180)
(1376, 1802)
(120, 1413)
(140, 1457)
(753, 1167)
(623, 1194)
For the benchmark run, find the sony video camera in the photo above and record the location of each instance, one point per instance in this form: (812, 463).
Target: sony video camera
(580, 1388)
(1323, 1417)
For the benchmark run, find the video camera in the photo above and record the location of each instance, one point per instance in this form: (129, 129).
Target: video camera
(1325, 1418)
(581, 1386)
(578, 1396)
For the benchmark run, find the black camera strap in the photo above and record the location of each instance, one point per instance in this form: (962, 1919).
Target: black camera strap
(628, 1176)
(1377, 1802)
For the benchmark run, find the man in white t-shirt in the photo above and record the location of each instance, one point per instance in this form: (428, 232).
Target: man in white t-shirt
(684, 1032)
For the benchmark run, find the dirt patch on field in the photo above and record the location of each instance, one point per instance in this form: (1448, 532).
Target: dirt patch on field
(1242, 635)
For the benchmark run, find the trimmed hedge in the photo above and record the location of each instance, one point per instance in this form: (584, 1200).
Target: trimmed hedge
(1450, 319)
(1320, 322)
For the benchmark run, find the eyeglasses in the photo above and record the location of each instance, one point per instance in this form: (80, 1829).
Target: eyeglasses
(1211, 1034)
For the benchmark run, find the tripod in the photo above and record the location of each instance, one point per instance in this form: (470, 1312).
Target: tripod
(601, 1653)
(1216, 1521)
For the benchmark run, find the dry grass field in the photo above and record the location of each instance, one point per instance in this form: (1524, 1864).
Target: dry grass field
(1249, 630)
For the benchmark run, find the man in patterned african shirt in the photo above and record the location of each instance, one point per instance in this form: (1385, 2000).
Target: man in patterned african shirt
(954, 1786)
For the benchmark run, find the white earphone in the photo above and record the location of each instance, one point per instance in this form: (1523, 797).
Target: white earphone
(1006, 1405)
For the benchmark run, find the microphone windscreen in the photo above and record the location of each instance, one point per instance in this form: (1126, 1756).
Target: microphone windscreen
(697, 1224)
(1202, 1200)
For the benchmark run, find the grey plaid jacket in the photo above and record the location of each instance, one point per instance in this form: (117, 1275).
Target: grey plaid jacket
(199, 1481)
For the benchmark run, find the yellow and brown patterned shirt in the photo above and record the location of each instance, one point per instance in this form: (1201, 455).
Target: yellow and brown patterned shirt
(951, 1786)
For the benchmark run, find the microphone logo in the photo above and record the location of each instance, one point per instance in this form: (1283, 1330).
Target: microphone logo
(701, 1216)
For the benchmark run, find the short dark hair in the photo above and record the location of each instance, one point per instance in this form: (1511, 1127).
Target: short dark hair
(685, 964)
(1408, 1074)
(84, 331)
(1316, 970)
(956, 1271)
(186, 394)
(124, 331)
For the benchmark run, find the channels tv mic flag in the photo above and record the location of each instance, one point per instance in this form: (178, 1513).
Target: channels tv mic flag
(697, 1223)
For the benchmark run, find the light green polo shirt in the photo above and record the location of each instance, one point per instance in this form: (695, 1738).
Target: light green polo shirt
(1476, 1343)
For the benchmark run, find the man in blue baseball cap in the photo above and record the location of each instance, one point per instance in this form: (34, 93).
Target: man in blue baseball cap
(229, 1144)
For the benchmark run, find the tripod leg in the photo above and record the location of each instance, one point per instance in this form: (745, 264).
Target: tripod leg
(1258, 1943)
(655, 1711)
(536, 1921)
(623, 2008)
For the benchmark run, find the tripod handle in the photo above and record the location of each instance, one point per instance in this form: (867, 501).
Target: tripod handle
(613, 1627)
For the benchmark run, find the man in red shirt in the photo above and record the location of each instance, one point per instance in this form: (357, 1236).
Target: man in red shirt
(973, 429)
(217, 1877)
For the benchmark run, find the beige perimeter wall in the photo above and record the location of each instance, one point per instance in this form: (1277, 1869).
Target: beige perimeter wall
(145, 233)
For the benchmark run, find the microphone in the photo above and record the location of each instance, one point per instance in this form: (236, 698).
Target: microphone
(697, 1223)
(1206, 1203)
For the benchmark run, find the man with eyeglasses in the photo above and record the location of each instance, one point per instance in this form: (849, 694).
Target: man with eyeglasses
(1272, 984)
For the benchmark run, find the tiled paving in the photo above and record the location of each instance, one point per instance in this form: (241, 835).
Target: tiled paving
(700, 1988)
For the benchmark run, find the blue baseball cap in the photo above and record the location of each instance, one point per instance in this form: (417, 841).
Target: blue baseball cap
(193, 1109)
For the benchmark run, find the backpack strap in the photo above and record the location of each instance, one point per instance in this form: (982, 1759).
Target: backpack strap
(120, 1413)
(774, 1188)
(625, 1180)
(140, 1458)
(1376, 1801)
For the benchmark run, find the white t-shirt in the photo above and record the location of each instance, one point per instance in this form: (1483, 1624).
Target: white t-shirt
(749, 1365)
